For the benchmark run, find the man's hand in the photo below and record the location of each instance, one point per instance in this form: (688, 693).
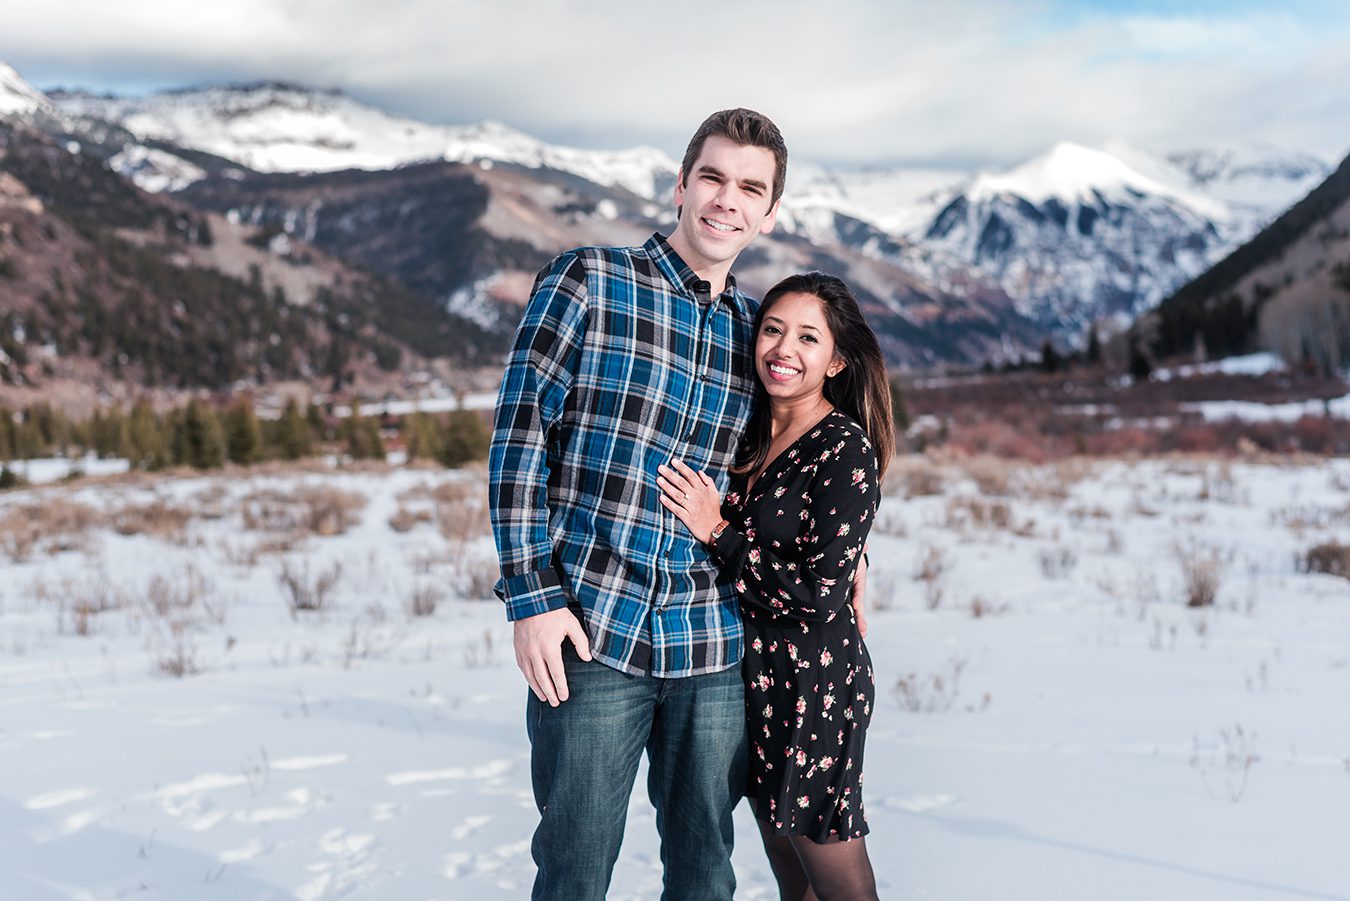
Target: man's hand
(538, 642)
(858, 601)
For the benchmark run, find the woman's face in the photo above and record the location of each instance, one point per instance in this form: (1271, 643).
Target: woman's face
(794, 350)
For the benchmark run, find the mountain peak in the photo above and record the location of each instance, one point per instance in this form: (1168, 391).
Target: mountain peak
(1071, 173)
(18, 97)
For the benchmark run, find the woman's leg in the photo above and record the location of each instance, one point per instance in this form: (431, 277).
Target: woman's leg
(787, 867)
(838, 871)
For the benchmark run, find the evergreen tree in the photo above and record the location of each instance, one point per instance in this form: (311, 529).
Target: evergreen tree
(318, 423)
(1140, 365)
(467, 438)
(1094, 347)
(8, 434)
(1051, 361)
(899, 408)
(361, 434)
(243, 433)
(148, 449)
(28, 441)
(293, 436)
(110, 434)
(199, 441)
(422, 437)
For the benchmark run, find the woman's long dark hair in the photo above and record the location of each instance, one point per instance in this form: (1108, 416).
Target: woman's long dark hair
(861, 390)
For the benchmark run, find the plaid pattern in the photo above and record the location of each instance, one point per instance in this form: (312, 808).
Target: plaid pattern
(621, 362)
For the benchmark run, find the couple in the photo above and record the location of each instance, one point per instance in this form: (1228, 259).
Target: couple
(642, 382)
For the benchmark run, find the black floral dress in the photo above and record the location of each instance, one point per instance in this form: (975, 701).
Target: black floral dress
(793, 543)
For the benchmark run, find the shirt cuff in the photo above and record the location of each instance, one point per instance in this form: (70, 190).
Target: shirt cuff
(531, 593)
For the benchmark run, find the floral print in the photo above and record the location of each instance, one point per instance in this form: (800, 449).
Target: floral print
(793, 545)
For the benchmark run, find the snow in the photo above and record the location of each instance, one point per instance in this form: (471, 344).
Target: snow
(18, 97)
(478, 400)
(899, 201)
(1086, 734)
(1072, 173)
(1249, 411)
(287, 128)
(155, 170)
(1253, 364)
(53, 469)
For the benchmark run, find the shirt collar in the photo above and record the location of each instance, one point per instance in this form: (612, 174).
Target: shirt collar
(679, 273)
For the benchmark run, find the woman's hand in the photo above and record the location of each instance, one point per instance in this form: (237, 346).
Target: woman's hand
(691, 496)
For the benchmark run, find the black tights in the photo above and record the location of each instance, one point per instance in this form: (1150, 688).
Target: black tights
(806, 871)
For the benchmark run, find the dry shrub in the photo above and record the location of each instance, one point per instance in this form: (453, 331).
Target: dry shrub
(177, 656)
(53, 526)
(1330, 557)
(157, 519)
(1130, 441)
(917, 476)
(1205, 439)
(425, 599)
(991, 475)
(973, 511)
(1058, 562)
(477, 572)
(168, 598)
(931, 568)
(405, 519)
(311, 509)
(934, 693)
(1201, 574)
(981, 607)
(78, 601)
(461, 510)
(998, 438)
(305, 592)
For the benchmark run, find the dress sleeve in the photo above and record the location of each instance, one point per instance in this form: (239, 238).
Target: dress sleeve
(539, 374)
(812, 580)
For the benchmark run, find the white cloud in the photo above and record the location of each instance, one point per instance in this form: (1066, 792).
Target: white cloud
(979, 81)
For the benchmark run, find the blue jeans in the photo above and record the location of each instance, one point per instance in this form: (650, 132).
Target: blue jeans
(585, 755)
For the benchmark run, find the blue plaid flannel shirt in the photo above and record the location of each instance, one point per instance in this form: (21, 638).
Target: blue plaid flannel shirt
(622, 362)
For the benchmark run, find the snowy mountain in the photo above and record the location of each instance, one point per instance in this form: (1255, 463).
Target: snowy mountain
(1072, 236)
(18, 97)
(1078, 234)
(275, 127)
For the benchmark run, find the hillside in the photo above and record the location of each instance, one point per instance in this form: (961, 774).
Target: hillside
(106, 285)
(1287, 289)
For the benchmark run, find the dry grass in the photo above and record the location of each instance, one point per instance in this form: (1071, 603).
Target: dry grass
(462, 511)
(424, 600)
(405, 519)
(52, 526)
(1201, 574)
(476, 572)
(1329, 557)
(931, 569)
(305, 592)
(158, 519)
(935, 693)
(962, 512)
(78, 602)
(313, 510)
(917, 476)
(1058, 562)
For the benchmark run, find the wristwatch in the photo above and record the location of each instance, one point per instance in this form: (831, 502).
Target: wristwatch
(717, 531)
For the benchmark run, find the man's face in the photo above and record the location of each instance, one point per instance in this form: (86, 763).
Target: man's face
(726, 203)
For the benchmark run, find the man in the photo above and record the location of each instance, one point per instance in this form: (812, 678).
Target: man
(627, 358)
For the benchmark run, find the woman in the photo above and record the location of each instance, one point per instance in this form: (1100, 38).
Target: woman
(790, 532)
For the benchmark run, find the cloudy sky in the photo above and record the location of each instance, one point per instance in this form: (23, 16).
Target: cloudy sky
(965, 83)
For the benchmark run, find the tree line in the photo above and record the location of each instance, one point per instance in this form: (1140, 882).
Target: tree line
(203, 436)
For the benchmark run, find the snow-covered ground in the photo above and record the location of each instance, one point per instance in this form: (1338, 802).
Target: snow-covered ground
(1059, 725)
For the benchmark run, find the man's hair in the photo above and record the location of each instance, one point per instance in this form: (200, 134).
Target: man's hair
(747, 128)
